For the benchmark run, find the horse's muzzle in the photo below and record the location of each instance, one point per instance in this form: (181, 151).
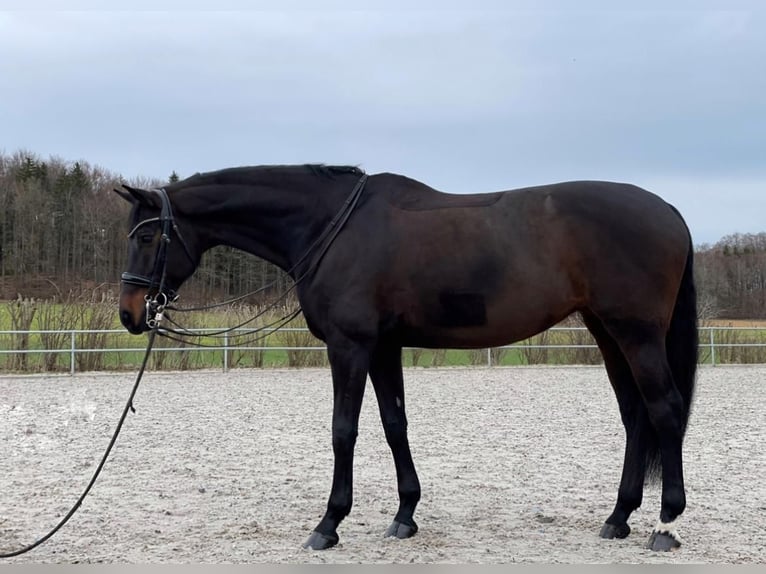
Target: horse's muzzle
(133, 310)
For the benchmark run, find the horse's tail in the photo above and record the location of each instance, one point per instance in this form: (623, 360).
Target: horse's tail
(682, 340)
(682, 346)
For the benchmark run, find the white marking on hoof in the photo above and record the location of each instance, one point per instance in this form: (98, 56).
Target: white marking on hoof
(668, 528)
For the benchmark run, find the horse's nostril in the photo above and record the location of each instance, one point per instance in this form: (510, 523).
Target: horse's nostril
(126, 319)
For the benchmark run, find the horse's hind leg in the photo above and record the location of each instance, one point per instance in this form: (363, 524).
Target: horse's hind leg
(643, 345)
(638, 431)
(386, 376)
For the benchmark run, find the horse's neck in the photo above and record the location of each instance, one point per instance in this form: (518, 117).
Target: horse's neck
(276, 223)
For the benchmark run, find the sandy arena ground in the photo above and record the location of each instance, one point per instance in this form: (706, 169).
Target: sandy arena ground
(516, 465)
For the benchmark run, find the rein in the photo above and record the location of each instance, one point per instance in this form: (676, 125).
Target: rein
(78, 503)
(316, 251)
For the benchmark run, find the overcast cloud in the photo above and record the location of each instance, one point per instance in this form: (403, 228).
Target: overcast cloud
(464, 100)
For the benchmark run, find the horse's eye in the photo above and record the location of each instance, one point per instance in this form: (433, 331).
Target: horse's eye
(146, 238)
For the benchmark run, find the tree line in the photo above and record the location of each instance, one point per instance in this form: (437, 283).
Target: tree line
(731, 277)
(62, 230)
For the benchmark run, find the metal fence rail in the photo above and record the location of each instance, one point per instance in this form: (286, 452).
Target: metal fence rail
(714, 342)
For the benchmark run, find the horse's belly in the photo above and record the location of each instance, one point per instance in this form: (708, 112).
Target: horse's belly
(466, 321)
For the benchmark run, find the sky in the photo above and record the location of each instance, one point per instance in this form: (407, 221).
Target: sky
(464, 96)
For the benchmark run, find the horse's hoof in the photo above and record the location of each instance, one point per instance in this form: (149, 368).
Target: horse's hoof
(663, 541)
(610, 531)
(318, 541)
(401, 530)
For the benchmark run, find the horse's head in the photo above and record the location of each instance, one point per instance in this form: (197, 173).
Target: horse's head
(160, 259)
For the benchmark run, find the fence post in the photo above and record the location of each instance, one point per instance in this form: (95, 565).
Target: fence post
(225, 352)
(72, 353)
(489, 357)
(712, 346)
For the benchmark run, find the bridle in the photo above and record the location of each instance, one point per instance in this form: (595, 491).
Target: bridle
(159, 293)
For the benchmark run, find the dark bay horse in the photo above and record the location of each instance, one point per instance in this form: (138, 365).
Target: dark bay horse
(383, 262)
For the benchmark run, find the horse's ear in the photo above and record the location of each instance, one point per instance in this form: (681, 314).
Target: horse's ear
(136, 195)
(124, 195)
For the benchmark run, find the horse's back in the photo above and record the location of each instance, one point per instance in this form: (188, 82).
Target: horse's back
(411, 195)
(581, 202)
(589, 213)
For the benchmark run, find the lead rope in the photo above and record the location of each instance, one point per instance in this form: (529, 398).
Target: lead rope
(128, 407)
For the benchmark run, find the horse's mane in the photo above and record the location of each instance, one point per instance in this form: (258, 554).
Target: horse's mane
(246, 174)
(330, 170)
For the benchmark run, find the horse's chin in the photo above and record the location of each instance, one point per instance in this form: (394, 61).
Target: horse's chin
(134, 327)
(137, 330)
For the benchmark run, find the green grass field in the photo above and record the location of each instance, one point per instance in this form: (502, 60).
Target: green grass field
(51, 349)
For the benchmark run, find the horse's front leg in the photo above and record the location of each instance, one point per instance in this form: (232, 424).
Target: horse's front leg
(349, 364)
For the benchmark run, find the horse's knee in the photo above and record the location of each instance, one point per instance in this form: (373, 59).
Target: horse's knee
(344, 438)
(396, 432)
